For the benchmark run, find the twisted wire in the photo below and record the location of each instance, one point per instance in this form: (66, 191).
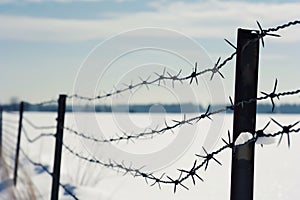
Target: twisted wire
(185, 174)
(48, 172)
(42, 103)
(177, 123)
(194, 74)
(41, 135)
(283, 26)
(36, 126)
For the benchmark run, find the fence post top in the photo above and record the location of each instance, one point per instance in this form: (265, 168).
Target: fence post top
(62, 95)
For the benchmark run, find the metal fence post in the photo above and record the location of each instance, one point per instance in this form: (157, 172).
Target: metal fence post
(242, 171)
(58, 146)
(21, 110)
(1, 133)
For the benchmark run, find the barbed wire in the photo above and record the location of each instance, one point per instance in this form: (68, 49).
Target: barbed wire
(9, 141)
(275, 29)
(194, 74)
(283, 26)
(184, 174)
(164, 76)
(150, 133)
(10, 144)
(49, 173)
(285, 129)
(11, 121)
(272, 95)
(8, 158)
(41, 135)
(36, 126)
(9, 125)
(192, 172)
(167, 76)
(8, 148)
(42, 103)
(8, 133)
(160, 78)
(32, 140)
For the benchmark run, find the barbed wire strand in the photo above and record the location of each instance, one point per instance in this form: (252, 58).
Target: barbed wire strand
(167, 76)
(36, 126)
(177, 123)
(41, 135)
(10, 121)
(42, 103)
(39, 164)
(191, 173)
(8, 134)
(48, 172)
(10, 126)
(161, 78)
(194, 74)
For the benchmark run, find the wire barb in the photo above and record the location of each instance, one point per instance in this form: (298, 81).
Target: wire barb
(263, 33)
(286, 130)
(215, 70)
(151, 132)
(175, 77)
(194, 75)
(230, 144)
(272, 95)
(208, 157)
(177, 182)
(192, 172)
(228, 42)
(189, 173)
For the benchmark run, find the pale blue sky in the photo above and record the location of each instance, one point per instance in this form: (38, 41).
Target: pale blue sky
(44, 42)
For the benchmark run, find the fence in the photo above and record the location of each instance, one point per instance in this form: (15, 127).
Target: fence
(244, 108)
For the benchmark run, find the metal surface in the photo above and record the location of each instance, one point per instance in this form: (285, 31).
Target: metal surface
(58, 147)
(242, 174)
(21, 110)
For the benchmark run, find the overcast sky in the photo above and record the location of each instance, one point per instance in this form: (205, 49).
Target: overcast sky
(43, 43)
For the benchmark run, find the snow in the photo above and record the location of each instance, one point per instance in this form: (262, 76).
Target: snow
(276, 167)
(243, 138)
(265, 140)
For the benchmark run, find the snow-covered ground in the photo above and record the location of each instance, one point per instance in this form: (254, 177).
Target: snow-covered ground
(276, 167)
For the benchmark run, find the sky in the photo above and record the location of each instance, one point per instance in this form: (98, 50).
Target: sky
(52, 47)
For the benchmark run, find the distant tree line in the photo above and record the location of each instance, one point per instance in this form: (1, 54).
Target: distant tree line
(146, 108)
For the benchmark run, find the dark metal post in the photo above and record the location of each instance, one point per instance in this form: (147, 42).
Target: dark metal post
(58, 146)
(21, 110)
(1, 134)
(242, 171)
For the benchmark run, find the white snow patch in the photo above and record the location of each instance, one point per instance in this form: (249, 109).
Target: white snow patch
(243, 138)
(265, 140)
